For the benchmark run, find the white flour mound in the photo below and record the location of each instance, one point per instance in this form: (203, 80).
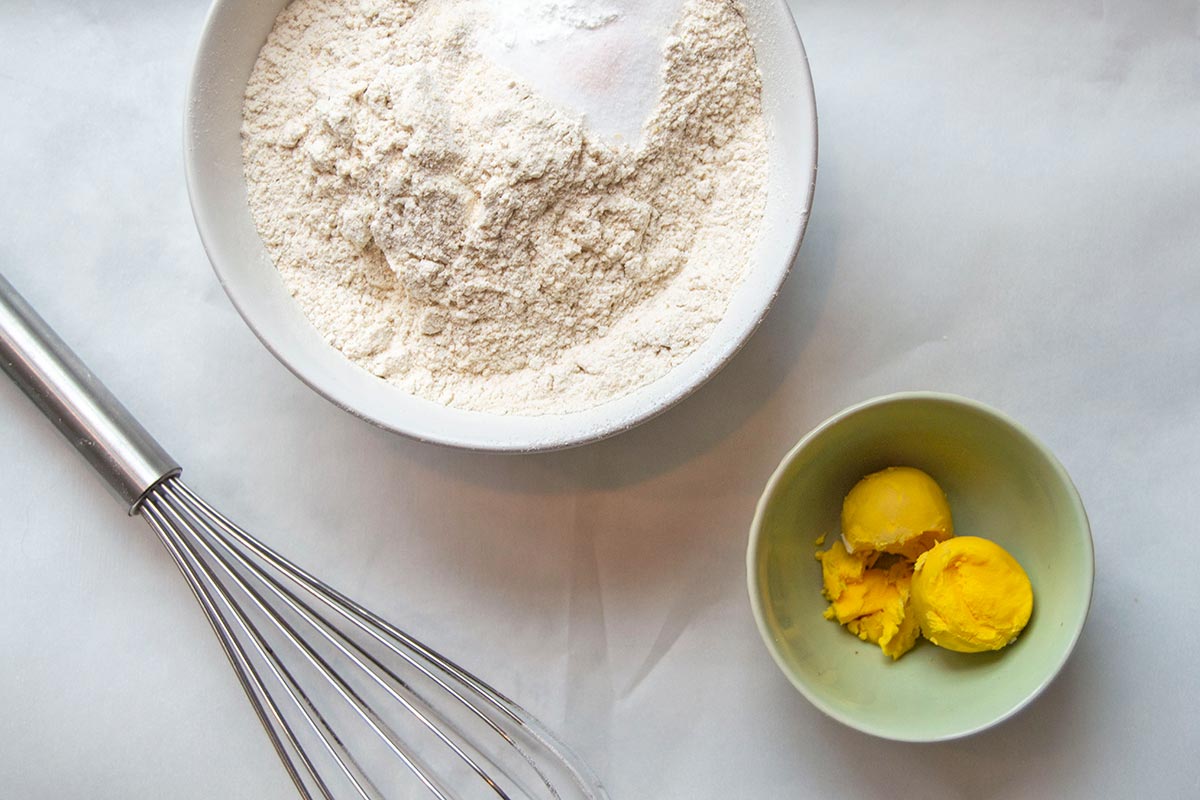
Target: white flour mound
(459, 235)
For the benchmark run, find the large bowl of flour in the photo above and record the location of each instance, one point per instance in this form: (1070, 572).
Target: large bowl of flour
(508, 226)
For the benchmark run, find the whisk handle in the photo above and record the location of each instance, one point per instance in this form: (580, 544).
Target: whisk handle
(95, 422)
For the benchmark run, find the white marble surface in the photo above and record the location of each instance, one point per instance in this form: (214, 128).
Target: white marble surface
(1008, 207)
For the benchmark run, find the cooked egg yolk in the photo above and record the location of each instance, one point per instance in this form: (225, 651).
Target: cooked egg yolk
(970, 595)
(898, 510)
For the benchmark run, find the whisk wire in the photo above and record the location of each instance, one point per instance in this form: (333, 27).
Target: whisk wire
(291, 685)
(249, 677)
(379, 630)
(217, 558)
(338, 640)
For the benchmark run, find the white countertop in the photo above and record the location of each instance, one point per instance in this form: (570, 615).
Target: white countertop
(1008, 207)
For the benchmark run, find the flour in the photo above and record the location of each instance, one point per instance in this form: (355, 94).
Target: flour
(455, 232)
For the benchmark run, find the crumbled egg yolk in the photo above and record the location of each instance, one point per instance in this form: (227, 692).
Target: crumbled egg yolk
(872, 602)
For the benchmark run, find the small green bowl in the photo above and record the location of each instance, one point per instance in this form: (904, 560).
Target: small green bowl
(1002, 484)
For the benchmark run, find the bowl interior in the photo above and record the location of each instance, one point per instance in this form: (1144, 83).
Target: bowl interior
(1002, 485)
(233, 35)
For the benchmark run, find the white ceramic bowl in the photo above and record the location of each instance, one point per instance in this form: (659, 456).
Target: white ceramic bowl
(234, 33)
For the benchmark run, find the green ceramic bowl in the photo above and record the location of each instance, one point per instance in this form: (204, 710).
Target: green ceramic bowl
(1002, 484)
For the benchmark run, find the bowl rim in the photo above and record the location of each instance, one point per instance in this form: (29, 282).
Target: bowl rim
(594, 424)
(776, 479)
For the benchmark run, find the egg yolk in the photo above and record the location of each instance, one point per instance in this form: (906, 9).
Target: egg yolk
(899, 510)
(970, 595)
(872, 602)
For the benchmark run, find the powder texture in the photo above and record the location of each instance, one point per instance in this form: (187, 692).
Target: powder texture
(460, 236)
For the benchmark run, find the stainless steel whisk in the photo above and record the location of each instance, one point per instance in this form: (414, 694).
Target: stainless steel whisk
(354, 706)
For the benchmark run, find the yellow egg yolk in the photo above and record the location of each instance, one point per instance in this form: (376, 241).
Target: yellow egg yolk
(970, 595)
(872, 602)
(899, 510)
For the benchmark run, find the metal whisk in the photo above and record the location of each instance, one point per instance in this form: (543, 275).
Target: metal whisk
(354, 706)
